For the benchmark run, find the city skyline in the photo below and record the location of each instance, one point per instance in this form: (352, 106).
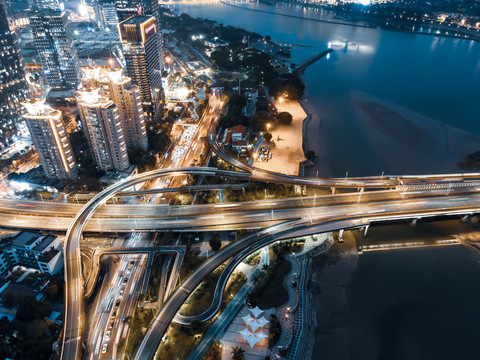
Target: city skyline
(239, 180)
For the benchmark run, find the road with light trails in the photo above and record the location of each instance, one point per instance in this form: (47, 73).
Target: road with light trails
(294, 228)
(151, 217)
(319, 219)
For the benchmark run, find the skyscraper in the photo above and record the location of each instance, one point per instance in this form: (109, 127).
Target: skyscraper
(103, 129)
(142, 56)
(107, 14)
(12, 81)
(126, 9)
(119, 88)
(50, 139)
(150, 7)
(55, 48)
(46, 5)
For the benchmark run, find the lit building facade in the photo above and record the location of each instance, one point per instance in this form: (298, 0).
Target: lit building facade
(126, 96)
(142, 57)
(46, 5)
(56, 49)
(31, 250)
(126, 9)
(12, 81)
(103, 129)
(50, 139)
(107, 14)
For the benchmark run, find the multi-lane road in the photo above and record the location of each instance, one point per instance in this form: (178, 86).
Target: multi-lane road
(461, 203)
(413, 197)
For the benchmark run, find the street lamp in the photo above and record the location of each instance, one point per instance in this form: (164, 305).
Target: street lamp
(268, 126)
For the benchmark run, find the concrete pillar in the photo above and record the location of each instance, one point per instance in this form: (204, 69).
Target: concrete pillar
(333, 191)
(413, 222)
(466, 218)
(340, 234)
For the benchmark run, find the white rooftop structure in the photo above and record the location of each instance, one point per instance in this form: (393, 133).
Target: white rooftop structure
(251, 338)
(254, 323)
(256, 311)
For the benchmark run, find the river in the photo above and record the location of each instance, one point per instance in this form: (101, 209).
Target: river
(404, 304)
(435, 77)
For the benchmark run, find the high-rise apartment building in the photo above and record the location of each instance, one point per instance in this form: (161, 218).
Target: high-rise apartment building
(46, 5)
(139, 39)
(103, 129)
(127, 8)
(50, 139)
(107, 14)
(114, 85)
(55, 48)
(151, 7)
(12, 81)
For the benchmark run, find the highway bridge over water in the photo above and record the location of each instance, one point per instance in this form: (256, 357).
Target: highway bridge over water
(382, 198)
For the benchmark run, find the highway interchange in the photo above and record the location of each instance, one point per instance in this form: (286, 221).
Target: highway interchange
(405, 198)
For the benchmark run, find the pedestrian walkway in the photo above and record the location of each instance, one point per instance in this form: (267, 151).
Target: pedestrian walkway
(290, 315)
(219, 326)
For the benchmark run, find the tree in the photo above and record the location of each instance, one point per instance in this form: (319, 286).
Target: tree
(196, 327)
(310, 155)
(238, 353)
(215, 243)
(53, 292)
(35, 329)
(8, 300)
(266, 267)
(284, 118)
(267, 136)
(29, 309)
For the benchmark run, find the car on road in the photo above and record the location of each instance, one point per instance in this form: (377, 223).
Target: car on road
(104, 348)
(117, 303)
(125, 280)
(107, 335)
(114, 314)
(120, 294)
(110, 325)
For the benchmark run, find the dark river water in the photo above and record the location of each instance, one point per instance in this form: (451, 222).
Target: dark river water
(404, 304)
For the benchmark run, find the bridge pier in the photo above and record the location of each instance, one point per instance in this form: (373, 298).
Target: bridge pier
(340, 235)
(365, 231)
(466, 218)
(333, 190)
(413, 222)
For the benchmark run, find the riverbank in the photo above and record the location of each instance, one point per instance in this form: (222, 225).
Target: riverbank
(313, 139)
(287, 152)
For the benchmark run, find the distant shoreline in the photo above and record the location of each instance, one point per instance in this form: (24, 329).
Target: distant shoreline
(376, 26)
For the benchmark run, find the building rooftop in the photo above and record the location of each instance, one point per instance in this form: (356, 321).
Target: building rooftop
(25, 238)
(136, 20)
(48, 256)
(46, 241)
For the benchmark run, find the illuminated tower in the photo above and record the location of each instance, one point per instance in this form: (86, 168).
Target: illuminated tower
(142, 56)
(103, 129)
(55, 48)
(107, 14)
(126, 9)
(119, 88)
(12, 81)
(46, 4)
(50, 139)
